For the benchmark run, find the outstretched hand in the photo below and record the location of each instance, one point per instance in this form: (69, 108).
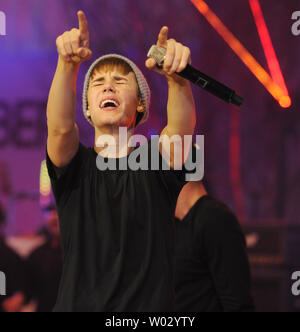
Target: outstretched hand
(74, 46)
(177, 56)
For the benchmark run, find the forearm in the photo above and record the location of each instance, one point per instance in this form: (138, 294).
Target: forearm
(181, 108)
(61, 107)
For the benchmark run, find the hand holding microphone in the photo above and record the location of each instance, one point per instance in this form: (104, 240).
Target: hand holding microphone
(172, 57)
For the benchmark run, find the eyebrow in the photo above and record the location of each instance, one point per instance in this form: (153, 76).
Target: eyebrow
(116, 78)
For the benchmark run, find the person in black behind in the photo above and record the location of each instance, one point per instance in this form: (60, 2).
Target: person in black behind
(14, 269)
(212, 271)
(45, 264)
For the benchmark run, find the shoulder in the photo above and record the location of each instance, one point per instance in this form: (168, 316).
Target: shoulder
(217, 216)
(83, 154)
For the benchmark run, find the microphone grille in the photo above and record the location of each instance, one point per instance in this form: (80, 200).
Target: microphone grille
(158, 54)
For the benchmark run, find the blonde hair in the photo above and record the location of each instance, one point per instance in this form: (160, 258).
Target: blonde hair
(111, 64)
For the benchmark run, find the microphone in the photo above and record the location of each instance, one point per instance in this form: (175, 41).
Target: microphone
(202, 80)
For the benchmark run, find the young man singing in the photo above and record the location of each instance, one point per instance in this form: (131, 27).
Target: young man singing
(116, 225)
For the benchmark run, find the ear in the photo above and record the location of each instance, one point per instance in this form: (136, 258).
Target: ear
(140, 107)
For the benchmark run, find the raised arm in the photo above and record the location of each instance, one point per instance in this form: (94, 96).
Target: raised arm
(181, 105)
(63, 135)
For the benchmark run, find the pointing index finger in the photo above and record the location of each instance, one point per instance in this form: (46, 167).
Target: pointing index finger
(83, 23)
(163, 37)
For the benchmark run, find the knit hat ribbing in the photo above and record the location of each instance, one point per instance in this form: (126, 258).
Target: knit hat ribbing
(144, 90)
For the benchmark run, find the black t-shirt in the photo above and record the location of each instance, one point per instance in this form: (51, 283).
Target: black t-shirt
(212, 272)
(118, 232)
(45, 269)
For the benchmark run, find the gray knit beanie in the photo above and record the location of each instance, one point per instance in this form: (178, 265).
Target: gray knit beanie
(144, 90)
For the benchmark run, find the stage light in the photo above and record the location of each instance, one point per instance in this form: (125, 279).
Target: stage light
(285, 102)
(273, 63)
(260, 73)
(45, 184)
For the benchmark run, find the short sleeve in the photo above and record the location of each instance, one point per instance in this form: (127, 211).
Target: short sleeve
(174, 180)
(64, 180)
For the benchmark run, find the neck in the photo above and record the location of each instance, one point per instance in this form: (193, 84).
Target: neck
(113, 142)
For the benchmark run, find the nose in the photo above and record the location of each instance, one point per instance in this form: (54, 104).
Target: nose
(108, 87)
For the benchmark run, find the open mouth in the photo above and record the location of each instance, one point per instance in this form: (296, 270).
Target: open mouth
(109, 104)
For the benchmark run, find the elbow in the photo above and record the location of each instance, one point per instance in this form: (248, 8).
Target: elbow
(60, 129)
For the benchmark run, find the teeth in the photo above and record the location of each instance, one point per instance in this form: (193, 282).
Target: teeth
(109, 101)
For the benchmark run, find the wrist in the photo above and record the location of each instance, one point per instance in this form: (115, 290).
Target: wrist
(177, 81)
(65, 66)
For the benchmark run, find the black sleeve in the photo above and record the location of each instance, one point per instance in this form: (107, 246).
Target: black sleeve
(225, 250)
(174, 180)
(65, 179)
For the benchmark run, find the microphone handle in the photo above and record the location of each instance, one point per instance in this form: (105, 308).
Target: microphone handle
(209, 84)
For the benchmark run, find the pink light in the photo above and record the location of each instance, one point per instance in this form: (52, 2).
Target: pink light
(240, 50)
(269, 51)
